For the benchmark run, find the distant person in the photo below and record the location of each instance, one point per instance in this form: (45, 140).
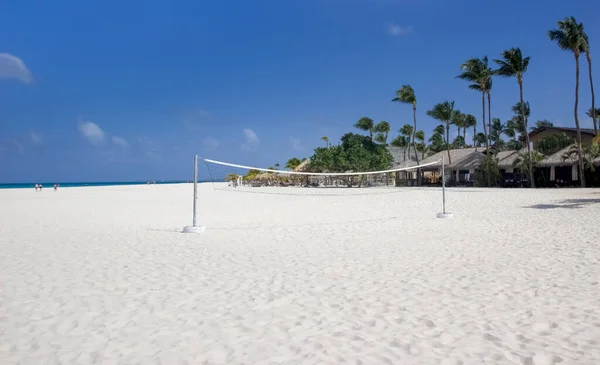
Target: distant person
(41, 187)
(55, 187)
(36, 187)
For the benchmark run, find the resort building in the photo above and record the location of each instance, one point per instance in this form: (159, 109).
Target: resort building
(587, 135)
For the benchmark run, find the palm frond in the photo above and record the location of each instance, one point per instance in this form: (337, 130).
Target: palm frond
(406, 130)
(419, 135)
(365, 124)
(570, 35)
(399, 141)
(406, 94)
(442, 111)
(382, 127)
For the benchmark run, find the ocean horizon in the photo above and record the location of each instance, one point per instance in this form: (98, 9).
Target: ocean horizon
(50, 185)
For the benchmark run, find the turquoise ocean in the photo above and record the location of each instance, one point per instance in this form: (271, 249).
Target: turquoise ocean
(50, 185)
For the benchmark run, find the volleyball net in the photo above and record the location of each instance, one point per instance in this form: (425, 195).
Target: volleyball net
(304, 179)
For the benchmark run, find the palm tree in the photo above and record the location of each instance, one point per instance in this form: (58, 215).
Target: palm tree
(406, 95)
(440, 129)
(400, 142)
(554, 143)
(594, 114)
(292, 163)
(541, 123)
(526, 161)
(496, 130)
(458, 119)
(437, 142)
(443, 112)
(488, 90)
(590, 153)
(478, 72)
(365, 124)
(420, 146)
(513, 64)
(570, 37)
(516, 126)
(479, 139)
(382, 129)
(586, 49)
(407, 131)
(471, 121)
(326, 139)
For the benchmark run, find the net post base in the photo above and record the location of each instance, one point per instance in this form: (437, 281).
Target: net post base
(445, 215)
(193, 229)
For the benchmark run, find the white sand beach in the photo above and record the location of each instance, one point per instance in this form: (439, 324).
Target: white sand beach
(103, 275)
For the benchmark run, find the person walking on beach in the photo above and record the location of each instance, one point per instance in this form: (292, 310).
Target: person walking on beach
(40, 187)
(55, 187)
(36, 187)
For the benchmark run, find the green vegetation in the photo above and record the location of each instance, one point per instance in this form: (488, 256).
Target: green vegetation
(369, 152)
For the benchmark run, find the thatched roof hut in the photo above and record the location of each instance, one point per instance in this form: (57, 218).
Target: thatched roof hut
(507, 159)
(462, 158)
(558, 159)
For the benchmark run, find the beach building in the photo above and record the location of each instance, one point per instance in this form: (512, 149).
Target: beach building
(461, 167)
(562, 169)
(587, 135)
(510, 176)
(400, 154)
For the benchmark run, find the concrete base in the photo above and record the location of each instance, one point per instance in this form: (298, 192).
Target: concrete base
(445, 215)
(193, 229)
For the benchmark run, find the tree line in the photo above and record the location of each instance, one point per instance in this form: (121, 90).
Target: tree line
(364, 153)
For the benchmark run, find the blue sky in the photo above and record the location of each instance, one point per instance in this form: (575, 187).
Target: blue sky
(128, 90)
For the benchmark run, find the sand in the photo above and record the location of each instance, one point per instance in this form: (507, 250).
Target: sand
(103, 276)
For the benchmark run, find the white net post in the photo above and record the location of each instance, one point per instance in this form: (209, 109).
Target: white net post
(444, 214)
(194, 228)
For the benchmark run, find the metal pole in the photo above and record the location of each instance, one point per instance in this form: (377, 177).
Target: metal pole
(443, 187)
(195, 220)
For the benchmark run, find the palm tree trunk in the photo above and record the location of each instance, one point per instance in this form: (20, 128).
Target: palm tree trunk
(589, 59)
(465, 135)
(581, 170)
(414, 142)
(489, 95)
(474, 134)
(531, 181)
(484, 127)
(447, 139)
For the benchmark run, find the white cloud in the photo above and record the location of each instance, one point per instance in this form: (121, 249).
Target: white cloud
(296, 144)
(91, 131)
(12, 67)
(36, 138)
(398, 30)
(210, 143)
(251, 143)
(120, 141)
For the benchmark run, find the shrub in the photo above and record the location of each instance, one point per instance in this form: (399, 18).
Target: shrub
(488, 174)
